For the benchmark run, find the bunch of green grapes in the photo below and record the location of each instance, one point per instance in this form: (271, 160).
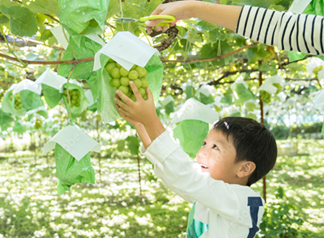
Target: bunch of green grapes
(74, 97)
(279, 87)
(17, 101)
(120, 78)
(265, 97)
(38, 124)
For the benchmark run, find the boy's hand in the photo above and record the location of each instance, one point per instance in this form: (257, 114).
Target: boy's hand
(139, 112)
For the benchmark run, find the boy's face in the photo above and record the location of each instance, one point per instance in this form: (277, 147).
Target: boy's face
(217, 156)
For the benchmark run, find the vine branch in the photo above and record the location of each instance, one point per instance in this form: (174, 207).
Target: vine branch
(77, 61)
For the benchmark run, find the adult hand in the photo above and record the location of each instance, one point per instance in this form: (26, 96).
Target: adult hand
(180, 10)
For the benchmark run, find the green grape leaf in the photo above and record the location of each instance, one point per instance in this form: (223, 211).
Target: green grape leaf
(9, 3)
(169, 108)
(30, 100)
(133, 144)
(5, 119)
(134, 8)
(191, 134)
(252, 116)
(121, 145)
(250, 106)
(3, 19)
(206, 99)
(52, 95)
(19, 128)
(204, 26)
(190, 91)
(42, 6)
(83, 48)
(208, 51)
(242, 94)
(113, 8)
(22, 20)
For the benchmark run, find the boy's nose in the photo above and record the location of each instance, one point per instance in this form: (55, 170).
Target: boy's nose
(202, 153)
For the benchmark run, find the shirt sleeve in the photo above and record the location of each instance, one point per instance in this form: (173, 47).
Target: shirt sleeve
(175, 168)
(300, 32)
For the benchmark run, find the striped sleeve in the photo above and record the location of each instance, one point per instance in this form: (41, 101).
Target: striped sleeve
(300, 32)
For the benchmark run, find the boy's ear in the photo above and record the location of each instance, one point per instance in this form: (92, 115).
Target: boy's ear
(246, 169)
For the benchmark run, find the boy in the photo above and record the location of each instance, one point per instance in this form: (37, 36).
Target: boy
(235, 154)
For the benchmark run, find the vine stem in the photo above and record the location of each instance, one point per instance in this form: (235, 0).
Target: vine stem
(77, 61)
(23, 65)
(121, 14)
(73, 53)
(187, 47)
(68, 93)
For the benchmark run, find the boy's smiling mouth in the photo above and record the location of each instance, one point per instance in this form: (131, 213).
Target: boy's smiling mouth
(203, 166)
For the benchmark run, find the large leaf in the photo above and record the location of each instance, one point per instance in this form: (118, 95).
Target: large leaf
(22, 20)
(133, 144)
(191, 135)
(5, 119)
(42, 6)
(83, 47)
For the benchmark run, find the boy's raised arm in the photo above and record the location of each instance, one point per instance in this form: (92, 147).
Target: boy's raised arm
(141, 114)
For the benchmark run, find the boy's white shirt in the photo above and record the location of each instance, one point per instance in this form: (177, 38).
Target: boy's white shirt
(224, 207)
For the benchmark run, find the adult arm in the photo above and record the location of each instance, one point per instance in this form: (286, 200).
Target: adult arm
(300, 32)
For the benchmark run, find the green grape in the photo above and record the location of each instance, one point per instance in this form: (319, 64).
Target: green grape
(279, 87)
(145, 83)
(123, 72)
(118, 65)
(141, 71)
(138, 83)
(114, 83)
(17, 104)
(98, 117)
(110, 66)
(93, 23)
(317, 69)
(74, 97)
(123, 89)
(133, 75)
(129, 94)
(142, 91)
(250, 106)
(38, 124)
(114, 73)
(124, 81)
(265, 97)
(111, 60)
(145, 97)
(133, 97)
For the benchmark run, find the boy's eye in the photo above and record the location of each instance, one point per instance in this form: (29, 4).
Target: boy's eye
(215, 147)
(204, 143)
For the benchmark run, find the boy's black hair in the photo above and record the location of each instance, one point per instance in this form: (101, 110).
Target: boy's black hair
(252, 142)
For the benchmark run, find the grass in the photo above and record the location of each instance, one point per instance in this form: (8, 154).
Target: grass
(113, 207)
